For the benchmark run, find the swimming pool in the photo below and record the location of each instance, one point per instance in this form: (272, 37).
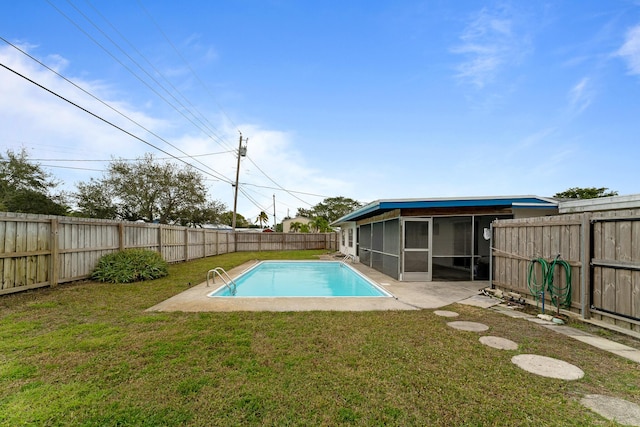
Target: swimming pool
(301, 279)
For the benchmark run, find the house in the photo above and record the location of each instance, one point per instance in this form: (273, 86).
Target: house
(432, 239)
(286, 224)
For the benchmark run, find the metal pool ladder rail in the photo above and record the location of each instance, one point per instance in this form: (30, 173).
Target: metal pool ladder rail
(347, 257)
(228, 281)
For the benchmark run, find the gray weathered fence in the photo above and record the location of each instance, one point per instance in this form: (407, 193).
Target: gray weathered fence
(39, 250)
(602, 249)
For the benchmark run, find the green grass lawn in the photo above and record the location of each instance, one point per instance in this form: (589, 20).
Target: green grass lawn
(87, 354)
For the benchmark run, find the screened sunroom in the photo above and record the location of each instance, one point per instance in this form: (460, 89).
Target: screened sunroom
(433, 239)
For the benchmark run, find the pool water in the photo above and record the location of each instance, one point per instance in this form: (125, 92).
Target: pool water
(302, 279)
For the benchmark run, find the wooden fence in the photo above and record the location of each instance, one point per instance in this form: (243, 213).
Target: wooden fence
(39, 250)
(602, 249)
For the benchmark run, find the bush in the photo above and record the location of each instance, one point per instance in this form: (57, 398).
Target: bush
(131, 265)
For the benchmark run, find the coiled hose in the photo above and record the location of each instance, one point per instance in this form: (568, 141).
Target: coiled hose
(560, 294)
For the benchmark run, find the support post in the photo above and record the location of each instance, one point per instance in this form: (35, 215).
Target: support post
(53, 266)
(585, 268)
(235, 198)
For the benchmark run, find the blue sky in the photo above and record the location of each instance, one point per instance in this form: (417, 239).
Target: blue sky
(361, 99)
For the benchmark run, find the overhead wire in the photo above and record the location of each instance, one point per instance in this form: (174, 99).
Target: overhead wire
(220, 176)
(221, 141)
(202, 118)
(289, 191)
(141, 80)
(205, 86)
(127, 160)
(279, 186)
(177, 51)
(101, 118)
(213, 98)
(251, 199)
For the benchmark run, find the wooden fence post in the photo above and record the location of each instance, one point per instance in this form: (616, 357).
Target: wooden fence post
(160, 248)
(186, 244)
(204, 243)
(585, 269)
(121, 236)
(53, 242)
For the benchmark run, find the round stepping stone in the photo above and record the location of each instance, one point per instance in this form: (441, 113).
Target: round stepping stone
(445, 313)
(612, 408)
(468, 326)
(499, 343)
(548, 367)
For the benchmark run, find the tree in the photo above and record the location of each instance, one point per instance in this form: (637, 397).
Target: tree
(95, 200)
(294, 227)
(31, 201)
(26, 187)
(210, 213)
(331, 208)
(227, 219)
(320, 225)
(262, 218)
(151, 191)
(585, 193)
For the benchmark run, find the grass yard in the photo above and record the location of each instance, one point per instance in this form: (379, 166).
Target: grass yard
(87, 354)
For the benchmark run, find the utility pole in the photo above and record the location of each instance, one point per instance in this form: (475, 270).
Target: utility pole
(274, 212)
(242, 152)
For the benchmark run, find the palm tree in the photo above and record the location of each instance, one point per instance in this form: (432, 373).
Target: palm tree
(262, 218)
(320, 224)
(294, 227)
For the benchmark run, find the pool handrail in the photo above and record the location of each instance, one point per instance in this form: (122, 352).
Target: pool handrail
(226, 279)
(347, 257)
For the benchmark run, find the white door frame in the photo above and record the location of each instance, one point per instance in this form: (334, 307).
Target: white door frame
(417, 276)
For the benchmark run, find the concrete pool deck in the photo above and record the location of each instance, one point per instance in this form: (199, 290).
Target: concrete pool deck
(406, 296)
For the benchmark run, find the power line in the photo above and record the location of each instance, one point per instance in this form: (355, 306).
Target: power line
(187, 64)
(130, 70)
(199, 119)
(102, 119)
(288, 191)
(72, 167)
(279, 186)
(129, 160)
(103, 103)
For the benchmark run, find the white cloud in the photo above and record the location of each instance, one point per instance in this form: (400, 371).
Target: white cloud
(488, 43)
(630, 50)
(581, 96)
(50, 128)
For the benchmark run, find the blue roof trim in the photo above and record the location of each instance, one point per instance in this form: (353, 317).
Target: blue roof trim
(387, 205)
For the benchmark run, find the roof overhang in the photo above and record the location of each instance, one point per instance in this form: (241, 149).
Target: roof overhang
(515, 202)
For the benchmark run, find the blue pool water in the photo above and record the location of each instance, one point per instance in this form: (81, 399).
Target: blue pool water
(301, 279)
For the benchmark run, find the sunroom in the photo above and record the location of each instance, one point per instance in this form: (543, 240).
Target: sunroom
(440, 239)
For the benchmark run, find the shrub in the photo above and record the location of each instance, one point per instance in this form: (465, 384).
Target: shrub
(131, 265)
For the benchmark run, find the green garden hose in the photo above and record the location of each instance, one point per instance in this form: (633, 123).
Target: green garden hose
(537, 285)
(560, 294)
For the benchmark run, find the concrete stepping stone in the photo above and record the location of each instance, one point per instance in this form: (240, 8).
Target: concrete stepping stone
(548, 367)
(612, 408)
(499, 343)
(468, 326)
(445, 313)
